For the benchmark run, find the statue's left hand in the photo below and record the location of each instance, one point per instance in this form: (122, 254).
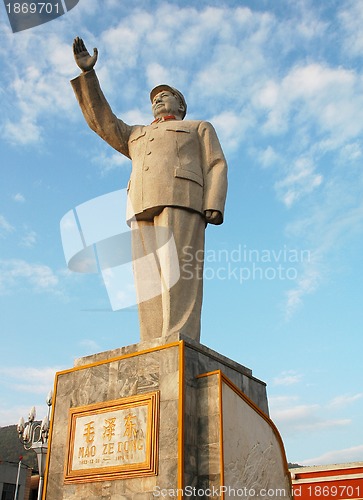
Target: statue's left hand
(213, 216)
(82, 57)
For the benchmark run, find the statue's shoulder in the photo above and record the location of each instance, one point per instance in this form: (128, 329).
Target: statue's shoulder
(198, 123)
(191, 125)
(137, 131)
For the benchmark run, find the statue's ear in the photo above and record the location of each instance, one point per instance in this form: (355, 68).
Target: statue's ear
(181, 108)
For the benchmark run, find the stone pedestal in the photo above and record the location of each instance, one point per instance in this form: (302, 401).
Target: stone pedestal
(162, 420)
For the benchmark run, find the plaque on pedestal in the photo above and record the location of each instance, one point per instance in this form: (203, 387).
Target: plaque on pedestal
(113, 440)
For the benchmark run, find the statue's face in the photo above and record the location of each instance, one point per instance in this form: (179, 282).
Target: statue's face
(165, 103)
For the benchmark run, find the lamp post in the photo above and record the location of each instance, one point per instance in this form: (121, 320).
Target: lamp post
(34, 436)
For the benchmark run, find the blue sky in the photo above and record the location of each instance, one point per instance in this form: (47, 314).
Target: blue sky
(282, 82)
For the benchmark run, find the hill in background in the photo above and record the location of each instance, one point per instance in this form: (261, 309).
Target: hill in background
(11, 448)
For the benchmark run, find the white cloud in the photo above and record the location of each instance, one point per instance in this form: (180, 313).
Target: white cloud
(89, 346)
(115, 37)
(22, 132)
(137, 116)
(29, 239)
(268, 96)
(19, 198)
(309, 27)
(331, 222)
(226, 124)
(352, 454)
(282, 401)
(351, 19)
(299, 181)
(29, 379)
(267, 157)
(156, 74)
(10, 415)
(28, 384)
(287, 378)
(18, 274)
(315, 99)
(313, 81)
(298, 415)
(307, 283)
(213, 51)
(37, 83)
(292, 418)
(345, 399)
(108, 161)
(111, 3)
(5, 226)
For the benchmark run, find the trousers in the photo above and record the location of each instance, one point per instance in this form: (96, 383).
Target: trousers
(168, 259)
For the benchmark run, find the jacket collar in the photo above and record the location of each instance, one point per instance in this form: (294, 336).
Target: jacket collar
(164, 119)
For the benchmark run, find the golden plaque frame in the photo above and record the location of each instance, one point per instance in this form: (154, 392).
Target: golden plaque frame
(113, 440)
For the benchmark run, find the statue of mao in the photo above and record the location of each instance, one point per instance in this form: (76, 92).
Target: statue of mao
(178, 182)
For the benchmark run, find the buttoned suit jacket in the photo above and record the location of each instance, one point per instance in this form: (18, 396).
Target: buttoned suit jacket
(177, 163)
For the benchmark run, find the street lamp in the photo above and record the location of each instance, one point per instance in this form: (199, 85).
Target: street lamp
(35, 437)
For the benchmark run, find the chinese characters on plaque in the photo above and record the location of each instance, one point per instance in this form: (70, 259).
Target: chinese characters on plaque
(113, 439)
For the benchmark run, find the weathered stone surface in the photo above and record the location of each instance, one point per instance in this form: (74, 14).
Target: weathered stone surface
(238, 445)
(193, 407)
(255, 444)
(178, 185)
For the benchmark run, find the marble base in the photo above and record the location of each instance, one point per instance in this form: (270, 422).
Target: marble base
(213, 427)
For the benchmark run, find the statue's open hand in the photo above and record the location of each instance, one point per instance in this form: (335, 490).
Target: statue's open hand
(82, 57)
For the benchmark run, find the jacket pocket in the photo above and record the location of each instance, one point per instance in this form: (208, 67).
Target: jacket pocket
(179, 129)
(188, 174)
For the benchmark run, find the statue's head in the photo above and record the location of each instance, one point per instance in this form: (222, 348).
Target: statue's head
(166, 100)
